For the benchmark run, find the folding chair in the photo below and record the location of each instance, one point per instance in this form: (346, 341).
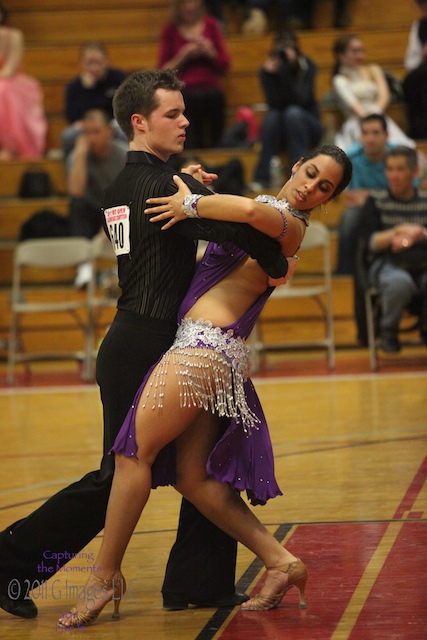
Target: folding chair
(50, 261)
(317, 237)
(373, 309)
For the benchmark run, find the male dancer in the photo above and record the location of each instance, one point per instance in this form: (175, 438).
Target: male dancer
(155, 270)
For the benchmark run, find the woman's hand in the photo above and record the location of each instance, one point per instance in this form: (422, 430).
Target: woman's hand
(292, 263)
(169, 206)
(200, 174)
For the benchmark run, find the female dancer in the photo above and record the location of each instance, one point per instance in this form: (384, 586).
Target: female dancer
(172, 433)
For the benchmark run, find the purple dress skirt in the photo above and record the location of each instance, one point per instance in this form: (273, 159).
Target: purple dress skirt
(212, 367)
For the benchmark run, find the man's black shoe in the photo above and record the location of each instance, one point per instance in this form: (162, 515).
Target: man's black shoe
(177, 603)
(22, 608)
(390, 343)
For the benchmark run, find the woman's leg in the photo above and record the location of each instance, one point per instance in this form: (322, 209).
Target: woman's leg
(155, 427)
(225, 508)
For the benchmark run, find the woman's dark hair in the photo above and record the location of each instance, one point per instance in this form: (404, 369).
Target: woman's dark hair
(340, 46)
(340, 158)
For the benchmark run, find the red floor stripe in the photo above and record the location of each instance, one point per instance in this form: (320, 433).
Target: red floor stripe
(397, 605)
(336, 556)
(413, 492)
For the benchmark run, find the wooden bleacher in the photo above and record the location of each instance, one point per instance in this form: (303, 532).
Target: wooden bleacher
(55, 29)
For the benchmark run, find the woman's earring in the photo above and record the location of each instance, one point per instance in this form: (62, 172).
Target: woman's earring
(325, 209)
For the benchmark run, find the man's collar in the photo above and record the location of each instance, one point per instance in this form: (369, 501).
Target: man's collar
(143, 157)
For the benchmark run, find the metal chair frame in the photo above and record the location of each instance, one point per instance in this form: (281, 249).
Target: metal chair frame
(57, 254)
(317, 237)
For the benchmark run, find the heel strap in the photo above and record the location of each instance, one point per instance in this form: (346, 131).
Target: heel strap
(285, 568)
(105, 583)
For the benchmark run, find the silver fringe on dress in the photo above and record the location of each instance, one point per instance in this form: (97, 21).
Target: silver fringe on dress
(211, 366)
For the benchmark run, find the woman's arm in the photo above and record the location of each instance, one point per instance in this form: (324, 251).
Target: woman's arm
(15, 50)
(263, 217)
(383, 99)
(345, 95)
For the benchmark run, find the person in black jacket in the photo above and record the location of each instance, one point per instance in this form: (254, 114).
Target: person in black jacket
(93, 88)
(415, 92)
(155, 271)
(292, 121)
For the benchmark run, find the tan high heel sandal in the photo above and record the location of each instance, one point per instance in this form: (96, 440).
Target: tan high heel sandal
(76, 618)
(297, 577)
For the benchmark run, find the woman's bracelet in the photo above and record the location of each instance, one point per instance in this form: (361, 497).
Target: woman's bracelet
(285, 224)
(189, 205)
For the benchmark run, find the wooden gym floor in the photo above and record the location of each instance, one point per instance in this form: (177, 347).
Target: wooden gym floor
(351, 459)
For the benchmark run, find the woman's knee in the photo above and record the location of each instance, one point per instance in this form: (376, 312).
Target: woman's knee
(293, 116)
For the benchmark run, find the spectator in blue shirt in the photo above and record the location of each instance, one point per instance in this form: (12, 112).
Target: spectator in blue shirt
(367, 157)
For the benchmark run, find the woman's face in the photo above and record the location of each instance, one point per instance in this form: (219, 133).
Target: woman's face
(354, 55)
(189, 10)
(313, 182)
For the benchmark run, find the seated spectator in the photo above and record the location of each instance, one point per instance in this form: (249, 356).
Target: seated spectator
(193, 43)
(23, 124)
(292, 122)
(414, 51)
(93, 88)
(360, 89)
(395, 221)
(367, 157)
(415, 94)
(96, 160)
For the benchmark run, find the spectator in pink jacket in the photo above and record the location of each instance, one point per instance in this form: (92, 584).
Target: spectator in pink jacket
(193, 44)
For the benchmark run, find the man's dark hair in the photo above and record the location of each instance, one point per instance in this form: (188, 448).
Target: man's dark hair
(94, 45)
(94, 114)
(375, 117)
(405, 152)
(137, 94)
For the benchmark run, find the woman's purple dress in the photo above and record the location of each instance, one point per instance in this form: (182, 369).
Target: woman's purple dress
(244, 459)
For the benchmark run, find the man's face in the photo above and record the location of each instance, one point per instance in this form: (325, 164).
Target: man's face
(400, 176)
(98, 134)
(165, 128)
(94, 63)
(374, 139)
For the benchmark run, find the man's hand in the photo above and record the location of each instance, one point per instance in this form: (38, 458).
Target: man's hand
(406, 235)
(82, 145)
(200, 174)
(169, 206)
(88, 80)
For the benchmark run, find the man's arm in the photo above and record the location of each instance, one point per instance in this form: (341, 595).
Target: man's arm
(77, 172)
